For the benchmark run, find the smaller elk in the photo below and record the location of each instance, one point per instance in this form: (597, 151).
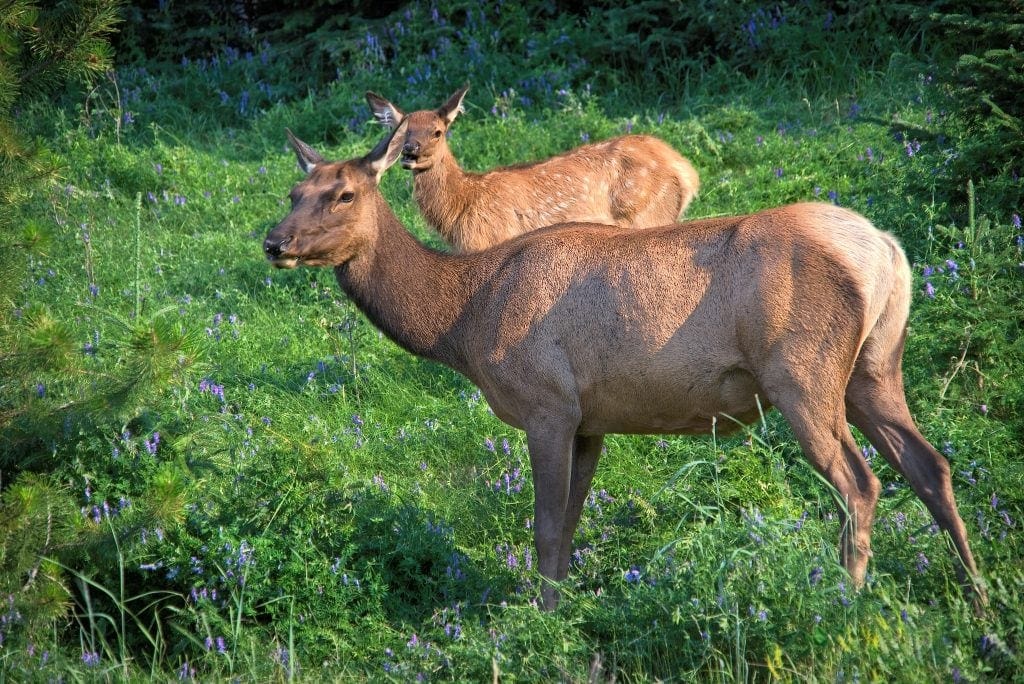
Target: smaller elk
(634, 181)
(581, 330)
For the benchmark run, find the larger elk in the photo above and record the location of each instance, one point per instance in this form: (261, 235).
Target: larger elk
(634, 181)
(583, 330)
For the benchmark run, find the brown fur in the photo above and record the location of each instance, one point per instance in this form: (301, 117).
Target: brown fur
(580, 330)
(635, 181)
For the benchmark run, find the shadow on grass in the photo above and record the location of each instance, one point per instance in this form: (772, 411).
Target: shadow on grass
(413, 558)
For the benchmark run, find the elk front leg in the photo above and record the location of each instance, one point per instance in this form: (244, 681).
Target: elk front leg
(586, 450)
(551, 451)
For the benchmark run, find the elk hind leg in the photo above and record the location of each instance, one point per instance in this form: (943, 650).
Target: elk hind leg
(829, 445)
(877, 405)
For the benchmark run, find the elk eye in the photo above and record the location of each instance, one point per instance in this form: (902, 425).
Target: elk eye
(437, 134)
(343, 198)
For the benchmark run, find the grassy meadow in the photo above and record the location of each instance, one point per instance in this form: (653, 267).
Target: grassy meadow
(223, 472)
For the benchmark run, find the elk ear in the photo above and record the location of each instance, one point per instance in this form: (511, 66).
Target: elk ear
(384, 111)
(386, 152)
(307, 156)
(450, 109)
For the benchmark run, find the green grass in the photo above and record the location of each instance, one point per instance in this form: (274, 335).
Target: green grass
(321, 505)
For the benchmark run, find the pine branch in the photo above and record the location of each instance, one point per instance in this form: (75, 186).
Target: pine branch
(61, 52)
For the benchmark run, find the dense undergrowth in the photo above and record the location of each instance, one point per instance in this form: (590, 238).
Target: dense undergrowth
(213, 471)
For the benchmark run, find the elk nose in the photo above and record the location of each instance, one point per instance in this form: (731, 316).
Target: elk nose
(410, 148)
(274, 246)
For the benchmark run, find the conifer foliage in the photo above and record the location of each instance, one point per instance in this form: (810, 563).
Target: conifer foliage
(44, 48)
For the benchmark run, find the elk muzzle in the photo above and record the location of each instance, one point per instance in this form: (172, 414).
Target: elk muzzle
(410, 154)
(274, 247)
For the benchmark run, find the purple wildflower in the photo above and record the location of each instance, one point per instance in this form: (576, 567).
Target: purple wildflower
(922, 562)
(815, 576)
(632, 575)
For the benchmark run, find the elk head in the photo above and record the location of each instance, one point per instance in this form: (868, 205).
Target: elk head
(331, 218)
(425, 138)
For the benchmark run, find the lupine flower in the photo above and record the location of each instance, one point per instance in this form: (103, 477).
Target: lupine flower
(922, 562)
(843, 599)
(815, 576)
(800, 523)
(929, 290)
(206, 385)
(632, 575)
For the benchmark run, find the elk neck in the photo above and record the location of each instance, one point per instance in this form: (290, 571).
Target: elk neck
(413, 294)
(442, 193)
